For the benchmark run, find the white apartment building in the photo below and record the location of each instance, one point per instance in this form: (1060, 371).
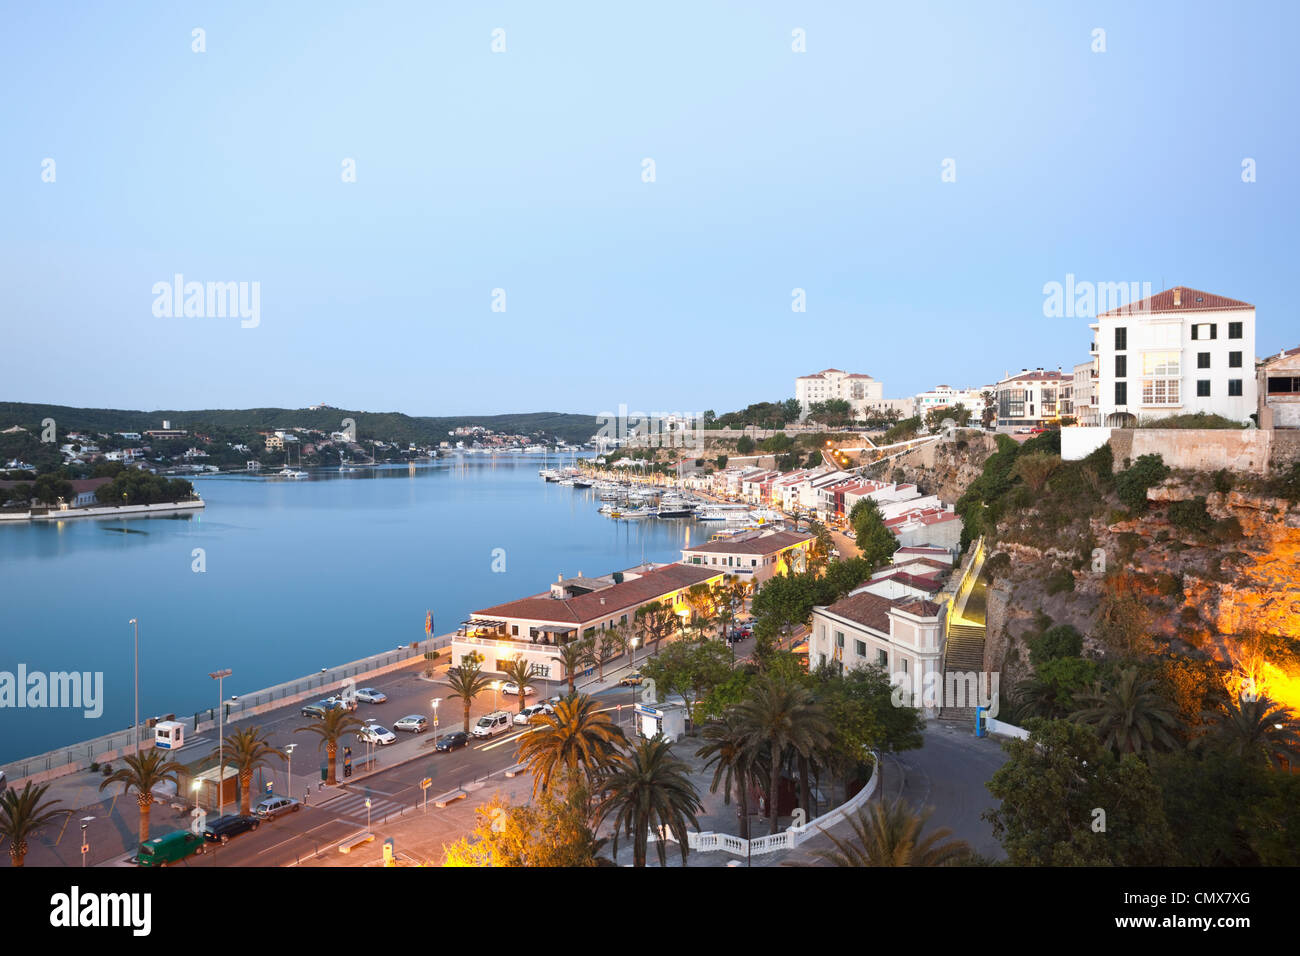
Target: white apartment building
(860, 391)
(1030, 398)
(945, 396)
(1178, 352)
(1084, 393)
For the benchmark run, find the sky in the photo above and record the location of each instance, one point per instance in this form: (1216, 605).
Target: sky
(524, 169)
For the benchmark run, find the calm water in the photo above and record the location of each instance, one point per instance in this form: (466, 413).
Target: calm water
(300, 575)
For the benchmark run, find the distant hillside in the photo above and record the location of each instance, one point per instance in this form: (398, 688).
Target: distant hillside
(385, 426)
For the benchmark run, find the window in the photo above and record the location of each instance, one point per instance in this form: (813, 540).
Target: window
(1121, 339)
(1234, 360)
(839, 638)
(1284, 386)
(1203, 388)
(882, 658)
(860, 648)
(903, 662)
(1234, 387)
(1234, 330)
(1204, 331)
(1202, 359)
(1121, 393)
(1121, 366)
(1160, 378)
(514, 630)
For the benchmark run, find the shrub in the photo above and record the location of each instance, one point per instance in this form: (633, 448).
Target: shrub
(1193, 420)
(1227, 529)
(1035, 468)
(1132, 483)
(744, 445)
(1190, 516)
(1223, 481)
(1056, 642)
(1287, 484)
(1168, 585)
(1060, 580)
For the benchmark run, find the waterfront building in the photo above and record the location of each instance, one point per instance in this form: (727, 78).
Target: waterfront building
(753, 556)
(535, 628)
(1178, 352)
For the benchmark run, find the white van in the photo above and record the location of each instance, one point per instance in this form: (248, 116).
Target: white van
(489, 725)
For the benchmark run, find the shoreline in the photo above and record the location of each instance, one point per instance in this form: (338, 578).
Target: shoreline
(109, 511)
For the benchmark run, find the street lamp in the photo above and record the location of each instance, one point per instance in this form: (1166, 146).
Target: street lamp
(632, 655)
(220, 677)
(136, 728)
(495, 684)
(435, 702)
(85, 844)
(195, 787)
(288, 769)
(367, 814)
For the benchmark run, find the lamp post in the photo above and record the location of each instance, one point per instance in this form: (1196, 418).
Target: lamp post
(195, 787)
(135, 729)
(220, 677)
(288, 769)
(495, 685)
(85, 843)
(435, 702)
(367, 814)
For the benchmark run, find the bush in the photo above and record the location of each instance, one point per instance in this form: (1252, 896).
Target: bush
(1227, 529)
(1190, 516)
(1194, 420)
(1287, 485)
(1223, 481)
(1056, 642)
(1132, 483)
(1060, 580)
(1168, 585)
(744, 445)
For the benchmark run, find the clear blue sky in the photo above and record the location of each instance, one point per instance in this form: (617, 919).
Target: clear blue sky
(522, 170)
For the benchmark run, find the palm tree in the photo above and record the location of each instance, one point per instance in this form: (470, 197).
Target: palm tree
(1256, 728)
(143, 772)
(732, 750)
(781, 716)
(577, 734)
(649, 787)
(574, 656)
(246, 750)
(1129, 716)
(518, 671)
(332, 728)
(465, 683)
(23, 814)
(890, 835)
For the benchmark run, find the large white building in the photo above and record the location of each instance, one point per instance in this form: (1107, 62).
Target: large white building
(860, 391)
(945, 396)
(1177, 352)
(1030, 398)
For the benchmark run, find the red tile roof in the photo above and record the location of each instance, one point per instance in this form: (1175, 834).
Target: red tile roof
(760, 544)
(872, 610)
(1192, 300)
(585, 608)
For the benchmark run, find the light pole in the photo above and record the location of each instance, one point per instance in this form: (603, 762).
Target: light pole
(195, 787)
(220, 677)
(367, 814)
(288, 770)
(435, 702)
(135, 729)
(632, 653)
(495, 685)
(85, 843)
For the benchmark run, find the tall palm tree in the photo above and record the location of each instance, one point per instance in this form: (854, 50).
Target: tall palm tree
(576, 655)
(23, 813)
(246, 750)
(1130, 716)
(730, 750)
(143, 772)
(518, 671)
(1255, 729)
(649, 787)
(781, 716)
(889, 834)
(331, 729)
(465, 683)
(577, 735)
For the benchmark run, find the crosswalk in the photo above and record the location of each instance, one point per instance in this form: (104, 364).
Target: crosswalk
(354, 806)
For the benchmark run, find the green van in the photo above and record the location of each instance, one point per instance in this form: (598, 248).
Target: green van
(170, 848)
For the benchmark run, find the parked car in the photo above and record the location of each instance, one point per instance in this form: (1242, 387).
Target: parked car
(489, 725)
(1037, 431)
(375, 734)
(531, 711)
(171, 848)
(222, 829)
(413, 723)
(631, 680)
(273, 807)
(316, 710)
(339, 703)
(368, 695)
(452, 741)
(1024, 430)
(512, 689)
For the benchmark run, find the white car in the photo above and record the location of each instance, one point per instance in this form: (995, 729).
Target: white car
(531, 711)
(368, 695)
(375, 734)
(512, 690)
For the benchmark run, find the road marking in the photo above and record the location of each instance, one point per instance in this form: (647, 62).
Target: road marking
(327, 823)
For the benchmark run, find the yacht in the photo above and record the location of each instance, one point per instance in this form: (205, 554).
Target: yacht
(675, 508)
(287, 472)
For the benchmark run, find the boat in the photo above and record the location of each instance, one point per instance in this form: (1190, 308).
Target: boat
(287, 472)
(675, 508)
(638, 513)
(580, 483)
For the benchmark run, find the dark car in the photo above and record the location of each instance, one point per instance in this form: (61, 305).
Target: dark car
(315, 710)
(452, 741)
(231, 825)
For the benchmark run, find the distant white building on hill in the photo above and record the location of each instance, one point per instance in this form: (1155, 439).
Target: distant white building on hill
(860, 391)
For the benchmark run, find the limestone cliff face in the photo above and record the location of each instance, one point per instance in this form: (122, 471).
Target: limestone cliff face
(942, 468)
(1204, 585)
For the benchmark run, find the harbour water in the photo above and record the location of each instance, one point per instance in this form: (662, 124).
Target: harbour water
(296, 576)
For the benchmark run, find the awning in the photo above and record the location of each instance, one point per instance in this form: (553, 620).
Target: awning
(482, 623)
(557, 629)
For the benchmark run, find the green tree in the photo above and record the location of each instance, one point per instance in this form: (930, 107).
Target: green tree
(143, 772)
(519, 672)
(552, 830)
(24, 813)
(331, 729)
(656, 621)
(466, 682)
(1258, 730)
(744, 445)
(246, 750)
(782, 716)
(1129, 716)
(577, 736)
(691, 669)
(576, 655)
(1049, 788)
(1034, 469)
(875, 542)
(730, 751)
(649, 787)
(890, 834)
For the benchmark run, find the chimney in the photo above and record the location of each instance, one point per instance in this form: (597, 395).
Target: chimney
(1178, 296)
(559, 578)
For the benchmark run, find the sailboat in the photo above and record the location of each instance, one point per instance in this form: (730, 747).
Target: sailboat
(286, 471)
